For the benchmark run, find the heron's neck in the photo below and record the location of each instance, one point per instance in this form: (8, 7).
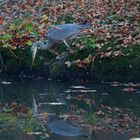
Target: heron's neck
(44, 46)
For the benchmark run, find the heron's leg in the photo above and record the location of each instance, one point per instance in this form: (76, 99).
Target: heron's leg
(68, 47)
(64, 58)
(66, 54)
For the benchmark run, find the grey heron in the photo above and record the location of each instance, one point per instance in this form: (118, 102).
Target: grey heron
(57, 34)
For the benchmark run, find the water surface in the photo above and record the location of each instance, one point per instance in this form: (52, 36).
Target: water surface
(49, 93)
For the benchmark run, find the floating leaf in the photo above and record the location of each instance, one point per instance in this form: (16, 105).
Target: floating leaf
(6, 82)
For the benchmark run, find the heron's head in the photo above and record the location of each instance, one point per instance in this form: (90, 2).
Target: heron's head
(34, 51)
(37, 45)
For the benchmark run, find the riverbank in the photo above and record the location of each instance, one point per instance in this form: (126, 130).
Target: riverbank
(104, 67)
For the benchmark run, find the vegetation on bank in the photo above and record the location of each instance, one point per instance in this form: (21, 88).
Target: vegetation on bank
(108, 51)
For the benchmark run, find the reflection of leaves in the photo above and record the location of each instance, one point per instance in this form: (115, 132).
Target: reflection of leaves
(7, 118)
(27, 126)
(7, 110)
(90, 117)
(85, 105)
(80, 104)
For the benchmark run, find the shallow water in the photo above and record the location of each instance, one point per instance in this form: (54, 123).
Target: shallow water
(55, 97)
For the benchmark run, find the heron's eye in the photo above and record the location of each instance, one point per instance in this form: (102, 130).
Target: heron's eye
(38, 47)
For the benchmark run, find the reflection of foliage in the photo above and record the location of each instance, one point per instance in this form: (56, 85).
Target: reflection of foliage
(7, 118)
(86, 106)
(33, 126)
(90, 117)
(7, 122)
(16, 117)
(26, 126)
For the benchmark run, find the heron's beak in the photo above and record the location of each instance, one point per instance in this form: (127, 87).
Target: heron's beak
(33, 55)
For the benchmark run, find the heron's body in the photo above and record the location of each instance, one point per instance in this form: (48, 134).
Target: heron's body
(65, 31)
(60, 33)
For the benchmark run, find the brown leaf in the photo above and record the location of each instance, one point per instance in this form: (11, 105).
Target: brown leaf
(1, 20)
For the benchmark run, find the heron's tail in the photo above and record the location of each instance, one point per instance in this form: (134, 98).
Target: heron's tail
(86, 25)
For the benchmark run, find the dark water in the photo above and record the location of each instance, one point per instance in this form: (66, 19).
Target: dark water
(22, 91)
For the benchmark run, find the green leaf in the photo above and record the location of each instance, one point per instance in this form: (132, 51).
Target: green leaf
(33, 34)
(12, 27)
(26, 15)
(29, 27)
(18, 21)
(93, 45)
(29, 43)
(6, 37)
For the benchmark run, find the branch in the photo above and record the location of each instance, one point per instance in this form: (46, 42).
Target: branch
(14, 54)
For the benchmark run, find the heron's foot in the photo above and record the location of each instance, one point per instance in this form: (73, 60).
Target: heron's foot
(62, 60)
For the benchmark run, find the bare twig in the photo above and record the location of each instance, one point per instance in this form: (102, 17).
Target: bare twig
(14, 54)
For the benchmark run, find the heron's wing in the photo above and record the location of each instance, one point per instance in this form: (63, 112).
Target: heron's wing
(65, 31)
(62, 127)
